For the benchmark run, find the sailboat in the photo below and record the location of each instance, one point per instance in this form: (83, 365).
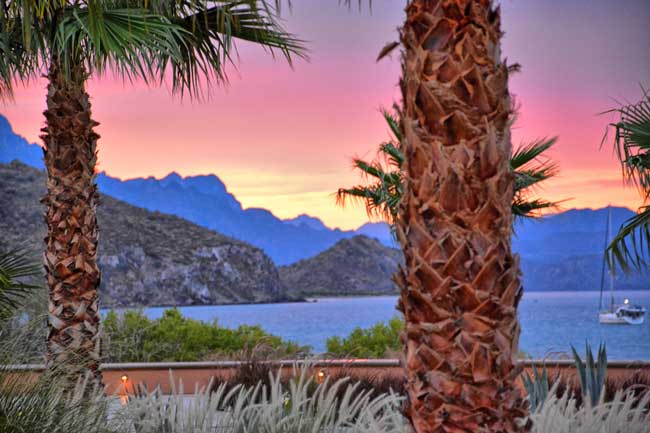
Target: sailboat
(625, 314)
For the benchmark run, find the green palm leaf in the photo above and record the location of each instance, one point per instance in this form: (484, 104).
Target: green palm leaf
(15, 269)
(189, 41)
(530, 169)
(381, 196)
(630, 247)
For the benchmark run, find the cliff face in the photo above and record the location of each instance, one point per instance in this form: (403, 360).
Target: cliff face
(146, 258)
(355, 266)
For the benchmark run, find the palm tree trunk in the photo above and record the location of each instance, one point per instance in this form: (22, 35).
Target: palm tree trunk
(71, 243)
(460, 285)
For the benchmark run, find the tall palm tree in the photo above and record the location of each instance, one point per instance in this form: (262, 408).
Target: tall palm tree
(630, 247)
(460, 284)
(382, 195)
(187, 41)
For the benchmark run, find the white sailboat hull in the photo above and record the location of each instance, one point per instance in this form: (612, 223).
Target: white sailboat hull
(622, 316)
(613, 319)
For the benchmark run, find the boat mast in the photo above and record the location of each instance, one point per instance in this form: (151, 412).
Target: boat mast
(604, 268)
(610, 271)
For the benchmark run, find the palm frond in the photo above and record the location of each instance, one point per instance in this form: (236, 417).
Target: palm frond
(369, 169)
(15, 269)
(372, 197)
(632, 142)
(629, 249)
(522, 208)
(384, 192)
(393, 122)
(530, 169)
(209, 34)
(631, 245)
(191, 41)
(381, 198)
(128, 41)
(394, 154)
(18, 62)
(528, 153)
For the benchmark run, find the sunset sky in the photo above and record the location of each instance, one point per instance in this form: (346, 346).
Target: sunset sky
(282, 138)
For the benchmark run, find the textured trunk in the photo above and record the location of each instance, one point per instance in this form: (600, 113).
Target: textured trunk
(460, 284)
(71, 243)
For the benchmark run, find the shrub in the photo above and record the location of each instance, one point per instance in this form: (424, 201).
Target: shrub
(132, 337)
(637, 384)
(301, 407)
(48, 405)
(624, 413)
(378, 341)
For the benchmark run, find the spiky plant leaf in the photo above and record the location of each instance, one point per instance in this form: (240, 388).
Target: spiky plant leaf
(592, 376)
(301, 406)
(625, 413)
(537, 387)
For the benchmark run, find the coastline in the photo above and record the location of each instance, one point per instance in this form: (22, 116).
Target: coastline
(139, 306)
(315, 298)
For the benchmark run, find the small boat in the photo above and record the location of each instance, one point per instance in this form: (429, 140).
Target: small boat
(625, 314)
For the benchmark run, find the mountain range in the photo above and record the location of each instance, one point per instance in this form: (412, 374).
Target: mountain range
(559, 252)
(146, 258)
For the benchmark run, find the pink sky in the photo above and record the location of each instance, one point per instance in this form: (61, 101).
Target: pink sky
(282, 139)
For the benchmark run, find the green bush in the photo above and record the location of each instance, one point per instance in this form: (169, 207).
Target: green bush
(378, 341)
(132, 337)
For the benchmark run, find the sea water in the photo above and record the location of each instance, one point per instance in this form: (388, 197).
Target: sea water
(551, 321)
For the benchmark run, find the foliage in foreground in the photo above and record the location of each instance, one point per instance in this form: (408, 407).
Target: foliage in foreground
(255, 371)
(625, 413)
(49, 407)
(46, 403)
(16, 268)
(592, 376)
(301, 407)
(133, 337)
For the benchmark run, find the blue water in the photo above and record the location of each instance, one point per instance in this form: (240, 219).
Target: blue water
(550, 321)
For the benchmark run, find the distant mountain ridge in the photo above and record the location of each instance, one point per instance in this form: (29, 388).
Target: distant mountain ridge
(559, 252)
(14, 146)
(146, 258)
(204, 200)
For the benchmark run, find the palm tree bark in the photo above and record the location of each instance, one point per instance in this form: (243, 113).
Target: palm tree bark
(460, 285)
(71, 243)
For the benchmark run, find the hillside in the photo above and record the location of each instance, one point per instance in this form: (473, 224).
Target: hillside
(356, 266)
(146, 258)
(205, 201)
(561, 252)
